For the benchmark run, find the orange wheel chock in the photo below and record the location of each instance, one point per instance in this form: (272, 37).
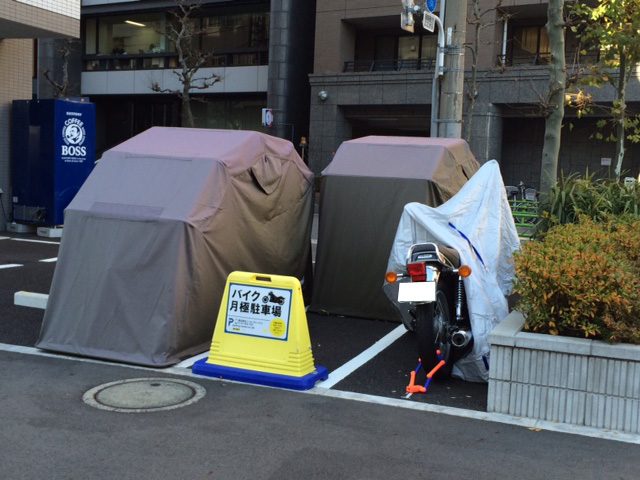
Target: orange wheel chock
(412, 387)
(435, 369)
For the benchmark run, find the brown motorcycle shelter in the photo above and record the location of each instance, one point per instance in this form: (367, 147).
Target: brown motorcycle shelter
(152, 235)
(363, 192)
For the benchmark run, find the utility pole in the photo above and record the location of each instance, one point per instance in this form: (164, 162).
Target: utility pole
(447, 95)
(451, 95)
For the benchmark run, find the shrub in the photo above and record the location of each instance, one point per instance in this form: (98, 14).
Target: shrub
(583, 280)
(575, 196)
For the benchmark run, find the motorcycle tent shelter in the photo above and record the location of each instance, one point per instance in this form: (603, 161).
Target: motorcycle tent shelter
(152, 235)
(363, 192)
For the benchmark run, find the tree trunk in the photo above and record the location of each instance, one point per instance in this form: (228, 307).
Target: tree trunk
(557, 81)
(620, 130)
(187, 114)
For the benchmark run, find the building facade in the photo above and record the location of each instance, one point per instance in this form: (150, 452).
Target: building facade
(260, 50)
(372, 78)
(22, 21)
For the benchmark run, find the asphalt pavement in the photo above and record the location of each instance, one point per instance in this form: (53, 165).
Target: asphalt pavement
(245, 432)
(335, 339)
(361, 428)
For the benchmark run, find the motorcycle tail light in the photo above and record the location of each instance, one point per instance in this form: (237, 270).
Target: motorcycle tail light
(464, 271)
(417, 271)
(391, 277)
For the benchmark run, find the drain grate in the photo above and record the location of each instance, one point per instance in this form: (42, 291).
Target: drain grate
(140, 395)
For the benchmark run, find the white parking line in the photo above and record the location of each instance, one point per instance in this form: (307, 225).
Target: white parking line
(49, 260)
(352, 365)
(4, 238)
(34, 241)
(10, 265)
(188, 363)
(373, 399)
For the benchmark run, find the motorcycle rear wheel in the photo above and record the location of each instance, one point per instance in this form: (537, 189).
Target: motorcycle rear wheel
(433, 321)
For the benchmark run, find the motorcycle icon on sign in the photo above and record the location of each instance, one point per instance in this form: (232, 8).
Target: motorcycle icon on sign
(273, 298)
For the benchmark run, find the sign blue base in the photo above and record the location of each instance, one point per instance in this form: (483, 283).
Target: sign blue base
(201, 367)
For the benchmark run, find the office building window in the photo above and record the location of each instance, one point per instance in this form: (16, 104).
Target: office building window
(242, 39)
(230, 32)
(132, 34)
(136, 41)
(409, 52)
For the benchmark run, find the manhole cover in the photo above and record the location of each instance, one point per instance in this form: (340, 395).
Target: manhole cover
(139, 395)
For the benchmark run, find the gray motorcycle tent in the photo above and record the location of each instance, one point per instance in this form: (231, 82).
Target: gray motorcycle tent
(152, 235)
(364, 190)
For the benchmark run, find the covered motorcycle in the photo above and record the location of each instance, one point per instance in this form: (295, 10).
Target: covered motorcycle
(477, 225)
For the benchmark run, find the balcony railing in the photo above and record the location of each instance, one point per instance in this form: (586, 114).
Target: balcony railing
(149, 61)
(388, 65)
(543, 58)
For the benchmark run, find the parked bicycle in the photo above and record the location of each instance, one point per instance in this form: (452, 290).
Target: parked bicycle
(523, 201)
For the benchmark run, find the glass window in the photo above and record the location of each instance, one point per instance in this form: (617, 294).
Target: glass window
(132, 34)
(543, 48)
(408, 48)
(530, 45)
(230, 32)
(90, 36)
(429, 47)
(242, 112)
(526, 39)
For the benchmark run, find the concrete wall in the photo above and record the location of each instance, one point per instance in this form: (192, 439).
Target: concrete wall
(122, 82)
(329, 128)
(336, 20)
(39, 18)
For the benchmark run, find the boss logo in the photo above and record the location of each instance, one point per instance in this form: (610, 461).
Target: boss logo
(73, 135)
(74, 151)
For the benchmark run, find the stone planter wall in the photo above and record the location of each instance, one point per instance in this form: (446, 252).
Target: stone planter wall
(562, 379)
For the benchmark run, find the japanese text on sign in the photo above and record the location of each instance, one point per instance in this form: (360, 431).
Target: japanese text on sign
(258, 311)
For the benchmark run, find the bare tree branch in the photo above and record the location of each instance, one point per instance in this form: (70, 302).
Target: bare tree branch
(183, 33)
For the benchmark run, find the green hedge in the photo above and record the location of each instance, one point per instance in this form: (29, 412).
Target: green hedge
(583, 280)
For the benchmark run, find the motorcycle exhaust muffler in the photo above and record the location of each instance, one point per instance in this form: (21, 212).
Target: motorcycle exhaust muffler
(461, 338)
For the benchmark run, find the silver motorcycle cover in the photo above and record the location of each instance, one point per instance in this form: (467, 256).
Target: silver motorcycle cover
(477, 221)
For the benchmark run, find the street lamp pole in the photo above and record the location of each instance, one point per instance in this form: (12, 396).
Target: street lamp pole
(429, 22)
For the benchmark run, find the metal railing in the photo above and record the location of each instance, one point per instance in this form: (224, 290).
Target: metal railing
(388, 65)
(149, 61)
(543, 58)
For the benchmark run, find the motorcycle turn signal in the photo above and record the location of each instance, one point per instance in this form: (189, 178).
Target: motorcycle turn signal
(464, 271)
(391, 277)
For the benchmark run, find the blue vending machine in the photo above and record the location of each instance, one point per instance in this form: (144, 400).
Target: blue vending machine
(52, 154)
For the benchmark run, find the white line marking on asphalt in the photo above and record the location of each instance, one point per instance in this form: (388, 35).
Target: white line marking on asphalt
(34, 241)
(11, 265)
(49, 260)
(4, 238)
(373, 399)
(484, 416)
(352, 365)
(188, 363)
(30, 299)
